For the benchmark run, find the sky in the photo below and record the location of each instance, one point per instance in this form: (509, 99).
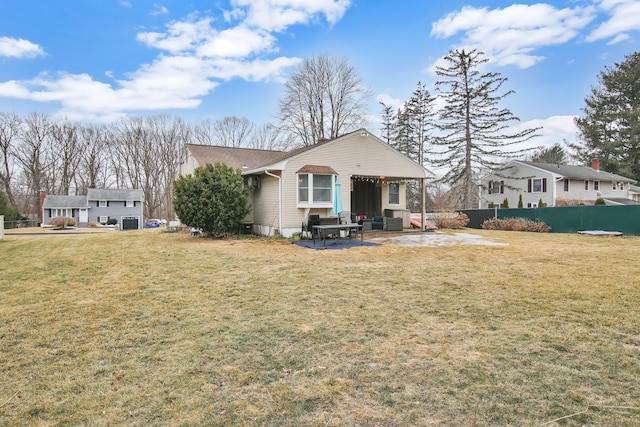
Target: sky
(100, 60)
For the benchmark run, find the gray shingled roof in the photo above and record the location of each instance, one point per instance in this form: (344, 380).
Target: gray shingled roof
(65, 202)
(579, 172)
(114, 194)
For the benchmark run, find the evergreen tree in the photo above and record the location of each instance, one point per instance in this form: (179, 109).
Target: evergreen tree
(474, 129)
(420, 112)
(388, 123)
(610, 126)
(554, 154)
(404, 140)
(520, 203)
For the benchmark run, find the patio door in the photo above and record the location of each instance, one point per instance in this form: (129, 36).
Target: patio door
(366, 197)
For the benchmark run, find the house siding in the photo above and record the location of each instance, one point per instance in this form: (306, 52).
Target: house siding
(350, 156)
(516, 184)
(115, 209)
(516, 178)
(264, 205)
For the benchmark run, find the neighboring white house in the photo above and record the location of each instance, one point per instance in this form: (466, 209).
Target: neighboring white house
(288, 186)
(554, 185)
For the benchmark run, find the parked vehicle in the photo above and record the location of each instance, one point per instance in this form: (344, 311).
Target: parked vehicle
(153, 223)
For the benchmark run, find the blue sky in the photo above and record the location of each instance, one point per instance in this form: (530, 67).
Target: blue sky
(98, 60)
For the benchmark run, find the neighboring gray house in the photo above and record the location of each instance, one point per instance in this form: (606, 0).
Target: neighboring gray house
(554, 185)
(99, 205)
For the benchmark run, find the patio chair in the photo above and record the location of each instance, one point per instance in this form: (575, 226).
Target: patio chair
(308, 226)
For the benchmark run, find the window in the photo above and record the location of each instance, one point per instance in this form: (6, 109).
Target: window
(536, 185)
(303, 188)
(102, 219)
(596, 185)
(102, 204)
(129, 204)
(621, 186)
(315, 189)
(566, 184)
(496, 187)
(61, 212)
(586, 184)
(394, 193)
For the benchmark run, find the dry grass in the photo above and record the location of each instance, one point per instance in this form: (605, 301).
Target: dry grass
(144, 328)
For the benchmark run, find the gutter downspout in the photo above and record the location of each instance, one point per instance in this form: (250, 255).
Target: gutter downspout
(266, 171)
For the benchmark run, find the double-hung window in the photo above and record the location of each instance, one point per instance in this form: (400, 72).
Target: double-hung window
(103, 204)
(394, 193)
(315, 189)
(129, 204)
(536, 185)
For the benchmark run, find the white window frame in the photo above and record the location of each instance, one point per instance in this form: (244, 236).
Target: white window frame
(596, 185)
(102, 203)
(620, 186)
(533, 185)
(61, 212)
(311, 189)
(395, 194)
(103, 219)
(129, 204)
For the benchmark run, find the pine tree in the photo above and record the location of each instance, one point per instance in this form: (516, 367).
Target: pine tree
(420, 112)
(388, 123)
(474, 129)
(610, 126)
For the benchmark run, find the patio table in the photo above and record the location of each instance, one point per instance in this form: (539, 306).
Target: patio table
(323, 230)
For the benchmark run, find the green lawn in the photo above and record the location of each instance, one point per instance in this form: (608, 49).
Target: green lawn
(148, 328)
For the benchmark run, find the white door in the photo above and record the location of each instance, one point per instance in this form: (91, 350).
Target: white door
(84, 215)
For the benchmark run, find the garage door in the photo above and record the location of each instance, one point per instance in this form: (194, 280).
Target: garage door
(130, 223)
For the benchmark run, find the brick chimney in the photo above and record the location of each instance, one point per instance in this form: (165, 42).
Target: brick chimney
(595, 164)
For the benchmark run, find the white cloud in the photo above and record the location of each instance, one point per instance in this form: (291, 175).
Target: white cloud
(511, 35)
(389, 101)
(194, 55)
(555, 130)
(19, 48)
(624, 17)
(158, 10)
(277, 15)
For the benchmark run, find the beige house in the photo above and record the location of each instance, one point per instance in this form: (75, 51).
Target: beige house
(368, 176)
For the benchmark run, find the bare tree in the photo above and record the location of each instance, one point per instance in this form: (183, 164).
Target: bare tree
(146, 153)
(269, 137)
(9, 129)
(202, 133)
(232, 131)
(323, 98)
(94, 171)
(170, 136)
(67, 149)
(32, 155)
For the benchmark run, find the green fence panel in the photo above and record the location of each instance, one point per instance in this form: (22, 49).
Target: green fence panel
(571, 219)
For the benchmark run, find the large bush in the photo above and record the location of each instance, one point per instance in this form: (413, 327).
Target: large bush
(62, 222)
(213, 199)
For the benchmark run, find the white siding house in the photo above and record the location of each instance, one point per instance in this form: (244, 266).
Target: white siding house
(553, 185)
